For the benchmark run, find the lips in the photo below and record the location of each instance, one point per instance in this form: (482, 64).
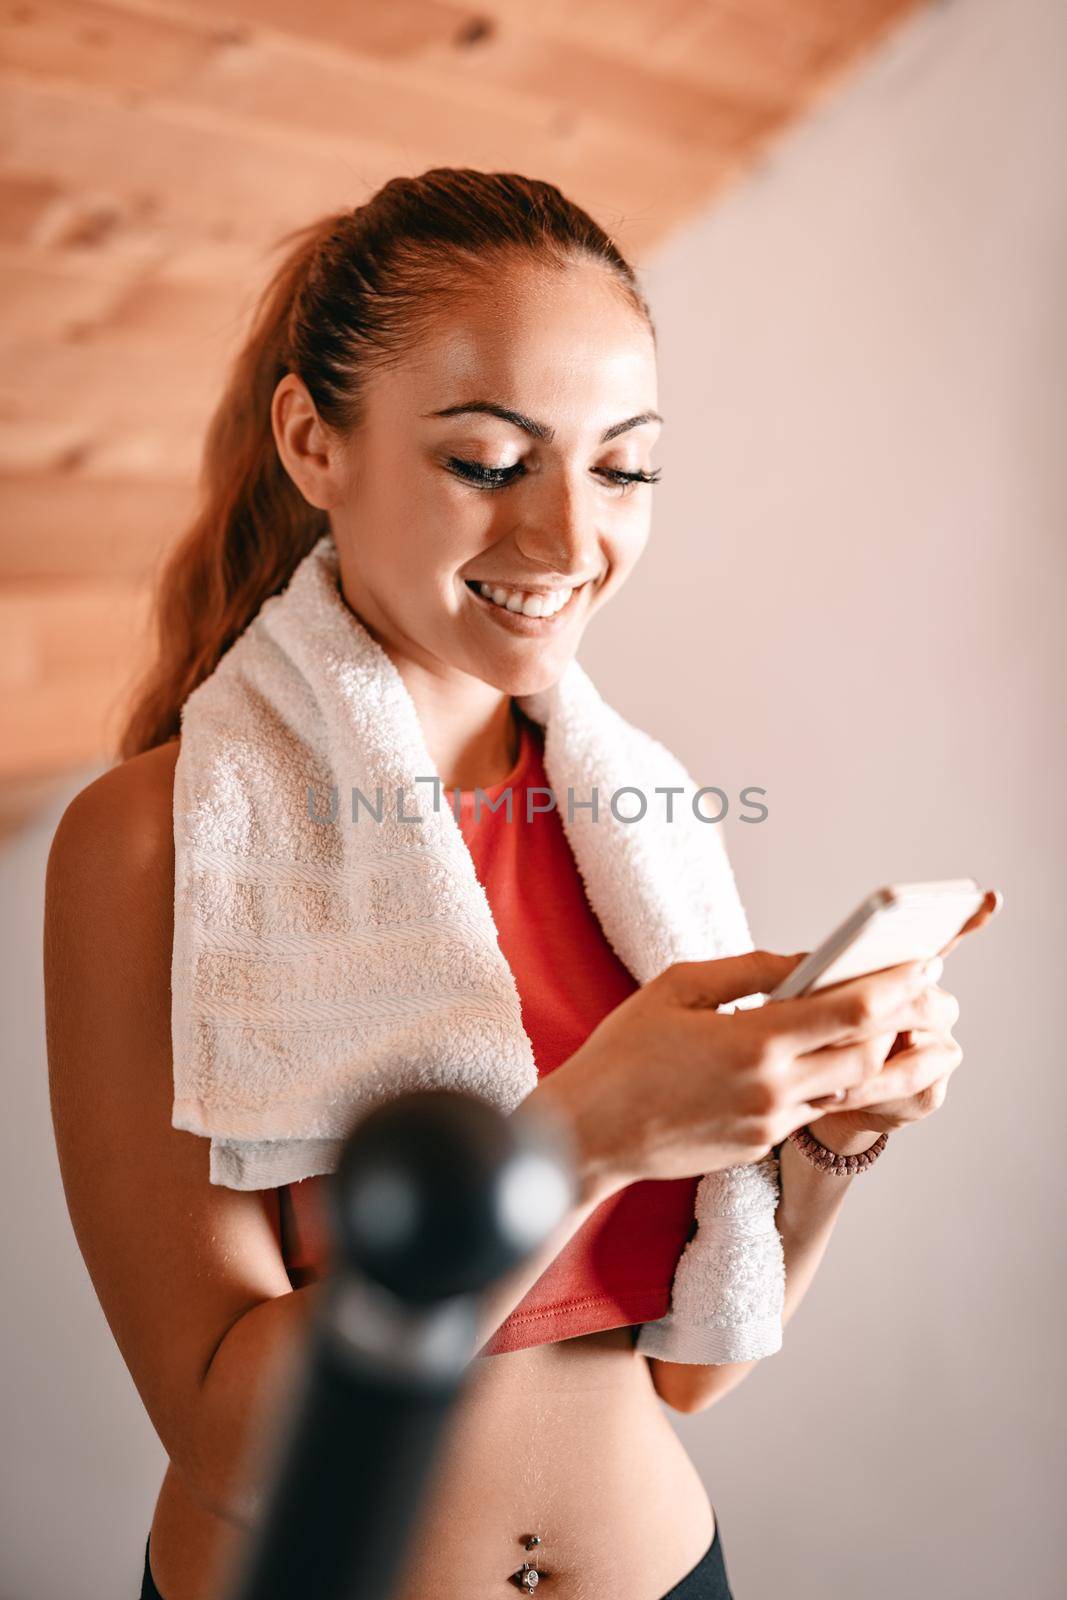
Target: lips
(515, 620)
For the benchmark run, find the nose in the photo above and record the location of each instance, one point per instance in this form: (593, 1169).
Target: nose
(560, 533)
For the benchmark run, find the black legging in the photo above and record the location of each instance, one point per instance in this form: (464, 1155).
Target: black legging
(707, 1580)
(148, 1588)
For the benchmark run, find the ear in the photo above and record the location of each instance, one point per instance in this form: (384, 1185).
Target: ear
(312, 454)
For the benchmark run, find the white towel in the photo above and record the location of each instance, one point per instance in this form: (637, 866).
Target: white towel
(320, 966)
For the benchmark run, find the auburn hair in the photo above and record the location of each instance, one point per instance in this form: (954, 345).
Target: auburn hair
(355, 292)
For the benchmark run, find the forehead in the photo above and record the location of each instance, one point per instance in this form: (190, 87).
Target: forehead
(560, 345)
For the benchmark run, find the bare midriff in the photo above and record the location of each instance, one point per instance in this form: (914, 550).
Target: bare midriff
(567, 1442)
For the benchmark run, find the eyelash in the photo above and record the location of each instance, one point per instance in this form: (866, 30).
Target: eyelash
(499, 477)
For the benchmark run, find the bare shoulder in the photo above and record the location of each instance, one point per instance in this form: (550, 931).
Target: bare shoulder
(123, 817)
(109, 882)
(109, 919)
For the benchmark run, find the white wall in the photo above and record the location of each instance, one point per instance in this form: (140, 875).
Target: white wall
(80, 1464)
(853, 596)
(863, 374)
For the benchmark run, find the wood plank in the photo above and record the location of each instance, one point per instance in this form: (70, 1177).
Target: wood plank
(68, 445)
(166, 181)
(25, 202)
(81, 40)
(49, 629)
(43, 445)
(169, 174)
(197, 286)
(332, 102)
(402, 32)
(47, 296)
(111, 383)
(69, 653)
(430, 33)
(533, 84)
(55, 726)
(38, 301)
(151, 54)
(68, 525)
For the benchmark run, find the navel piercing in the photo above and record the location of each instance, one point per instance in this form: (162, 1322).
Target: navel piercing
(527, 1578)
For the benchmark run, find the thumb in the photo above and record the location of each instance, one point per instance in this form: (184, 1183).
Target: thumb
(712, 983)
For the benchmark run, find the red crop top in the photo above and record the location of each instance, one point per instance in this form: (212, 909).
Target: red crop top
(618, 1268)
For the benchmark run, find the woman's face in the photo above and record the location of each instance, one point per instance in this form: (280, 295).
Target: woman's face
(438, 498)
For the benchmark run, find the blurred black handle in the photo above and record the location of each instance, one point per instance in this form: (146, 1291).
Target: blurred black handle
(436, 1196)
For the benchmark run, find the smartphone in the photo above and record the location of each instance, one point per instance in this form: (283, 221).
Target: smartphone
(898, 923)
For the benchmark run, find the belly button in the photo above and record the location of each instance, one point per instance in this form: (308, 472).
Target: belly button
(528, 1577)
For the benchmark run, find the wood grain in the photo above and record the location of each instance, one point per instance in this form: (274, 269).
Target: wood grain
(155, 151)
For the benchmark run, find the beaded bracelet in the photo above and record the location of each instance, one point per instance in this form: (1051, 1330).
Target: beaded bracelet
(831, 1160)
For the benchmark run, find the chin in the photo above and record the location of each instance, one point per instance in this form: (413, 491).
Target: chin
(529, 677)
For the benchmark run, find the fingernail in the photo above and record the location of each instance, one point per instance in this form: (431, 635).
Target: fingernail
(933, 969)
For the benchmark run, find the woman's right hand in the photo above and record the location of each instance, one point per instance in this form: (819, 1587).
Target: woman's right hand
(666, 1086)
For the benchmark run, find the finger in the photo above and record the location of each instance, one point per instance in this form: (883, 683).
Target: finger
(825, 1074)
(908, 1074)
(932, 1010)
(854, 1009)
(707, 984)
(991, 904)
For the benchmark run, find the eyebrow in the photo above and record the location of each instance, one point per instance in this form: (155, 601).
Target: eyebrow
(539, 430)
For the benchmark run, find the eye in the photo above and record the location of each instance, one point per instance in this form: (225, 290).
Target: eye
(500, 477)
(628, 479)
(484, 477)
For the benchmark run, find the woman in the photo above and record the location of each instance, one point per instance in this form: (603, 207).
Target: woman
(458, 382)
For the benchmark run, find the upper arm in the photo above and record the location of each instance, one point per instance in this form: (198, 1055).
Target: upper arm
(175, 1260)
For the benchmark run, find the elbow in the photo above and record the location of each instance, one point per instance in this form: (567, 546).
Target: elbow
(217, 1488)
(689, 1389)
(683, 1391)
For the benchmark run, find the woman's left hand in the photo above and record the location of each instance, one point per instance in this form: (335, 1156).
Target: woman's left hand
(923, 1060)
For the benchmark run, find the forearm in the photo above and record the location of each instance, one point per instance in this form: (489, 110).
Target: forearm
(808, 1206)
(807, 1213)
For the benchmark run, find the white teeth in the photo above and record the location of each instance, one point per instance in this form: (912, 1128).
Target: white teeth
(532, 605)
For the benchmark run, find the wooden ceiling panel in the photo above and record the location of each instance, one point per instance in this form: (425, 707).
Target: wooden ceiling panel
(42, 298)
(154, 153)
(109, 383)
(162, 172)
(66, 652)
(108, 47)
(70, 526)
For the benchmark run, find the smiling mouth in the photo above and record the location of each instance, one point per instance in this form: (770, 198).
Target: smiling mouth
(521, 620)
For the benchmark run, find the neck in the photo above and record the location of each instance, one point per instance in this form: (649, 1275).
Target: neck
(471, 729)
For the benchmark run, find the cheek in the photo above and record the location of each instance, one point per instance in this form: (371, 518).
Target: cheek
(623, 546)
(421, 556)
